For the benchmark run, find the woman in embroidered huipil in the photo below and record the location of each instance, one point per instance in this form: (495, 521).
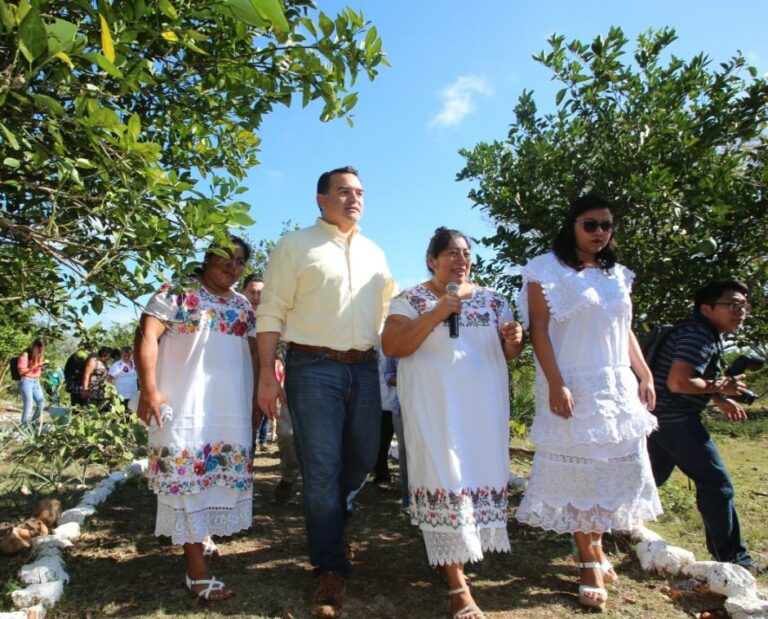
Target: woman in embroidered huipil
(591, 472)
(195, 350)
(455, 396)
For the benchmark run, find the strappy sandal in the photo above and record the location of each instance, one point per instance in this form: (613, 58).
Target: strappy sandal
(210, 550)
(609, 574)
(215, 591)
(470, 611)
(440, 569)
(589, 596)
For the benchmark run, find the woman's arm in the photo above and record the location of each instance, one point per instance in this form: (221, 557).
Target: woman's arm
(146, 347)
(402, 335)
(87, 371)
(646, 390)
(560, 398)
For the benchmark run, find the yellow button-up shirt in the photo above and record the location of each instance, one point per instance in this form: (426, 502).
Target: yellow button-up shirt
(323, 287)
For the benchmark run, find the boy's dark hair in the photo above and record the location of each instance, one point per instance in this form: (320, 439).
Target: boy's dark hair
(709, 294)
(251, 277)
(324, 182)
(564, 243)
(440, 240)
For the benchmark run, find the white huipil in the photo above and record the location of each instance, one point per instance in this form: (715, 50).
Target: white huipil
(591, 472)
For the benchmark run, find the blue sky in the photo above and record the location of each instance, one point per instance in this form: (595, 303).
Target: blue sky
(457, 71)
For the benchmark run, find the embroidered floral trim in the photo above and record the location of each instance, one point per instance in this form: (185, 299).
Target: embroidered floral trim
(469, 506)
(198, 309)
(189, 471)
(485, 308)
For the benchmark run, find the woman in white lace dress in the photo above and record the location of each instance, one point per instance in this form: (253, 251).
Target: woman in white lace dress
(195, 351)
(591, 472)
(454, 397)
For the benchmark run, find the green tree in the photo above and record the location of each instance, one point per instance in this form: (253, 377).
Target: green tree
(679, 147)
(126, 127)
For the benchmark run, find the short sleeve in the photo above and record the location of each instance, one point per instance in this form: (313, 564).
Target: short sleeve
(626, 275)
(538, 270)
(22, 363)
(692, 346)
(164, 305)
(402, 305)
(114, 369)
(248, 313)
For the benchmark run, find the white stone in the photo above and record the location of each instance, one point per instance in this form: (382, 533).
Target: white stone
(69, 531)
(46, 594)
(96, 496)
(18, 614)
(33, 612)
(644, 534)
(118, 477)
(747, 608)
(670, 560)
(646, 551)
(44, 569)
(699, 570)
(137, 467)
(76, 514)
(49, 541)
(731, 580)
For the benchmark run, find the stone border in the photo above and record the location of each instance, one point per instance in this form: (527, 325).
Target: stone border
(45, 577)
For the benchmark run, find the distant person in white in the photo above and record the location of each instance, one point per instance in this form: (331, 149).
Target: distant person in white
(122, 374)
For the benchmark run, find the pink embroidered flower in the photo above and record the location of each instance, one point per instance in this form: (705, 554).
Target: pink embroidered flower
(182, 470)
(191, 301)
(174, 489)
(239, 328)
(222, 326)
(199, 467)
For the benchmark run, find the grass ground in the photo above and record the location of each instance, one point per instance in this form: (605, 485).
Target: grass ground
(119, 569)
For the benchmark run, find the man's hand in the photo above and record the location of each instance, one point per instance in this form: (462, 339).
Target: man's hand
(269, 393)
(731, 409)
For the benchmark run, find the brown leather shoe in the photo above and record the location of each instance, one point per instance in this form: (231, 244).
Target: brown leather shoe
(329, 595)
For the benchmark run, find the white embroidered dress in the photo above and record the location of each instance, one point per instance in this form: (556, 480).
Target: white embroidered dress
(200, 463)
(591, 472)
(454, 398)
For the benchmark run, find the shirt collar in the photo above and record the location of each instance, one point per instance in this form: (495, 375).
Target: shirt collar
(334, 231)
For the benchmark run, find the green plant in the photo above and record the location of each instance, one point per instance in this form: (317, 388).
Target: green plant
(522, 377)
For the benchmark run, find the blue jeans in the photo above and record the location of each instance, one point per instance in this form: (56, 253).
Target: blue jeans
(31, 395)
(262, 435)
(336, 413)
(687, 444)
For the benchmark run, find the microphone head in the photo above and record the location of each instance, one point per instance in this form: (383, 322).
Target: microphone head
(452, 288)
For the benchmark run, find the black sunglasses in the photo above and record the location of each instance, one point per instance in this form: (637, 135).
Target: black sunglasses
(591, 225)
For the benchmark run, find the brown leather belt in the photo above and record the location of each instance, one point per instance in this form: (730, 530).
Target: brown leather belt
(342, 356)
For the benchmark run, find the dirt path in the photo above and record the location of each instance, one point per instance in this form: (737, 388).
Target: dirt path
(119, 569)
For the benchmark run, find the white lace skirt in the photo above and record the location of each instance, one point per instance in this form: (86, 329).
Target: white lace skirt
(216, 511)
(568, 493)
(464, 546)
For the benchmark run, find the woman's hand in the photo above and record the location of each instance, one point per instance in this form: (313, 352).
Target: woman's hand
(647, 393)
(561, 401)
(149, 406)
(447, 305)
(511, 338)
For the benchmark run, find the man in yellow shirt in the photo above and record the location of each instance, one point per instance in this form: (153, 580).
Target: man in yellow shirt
(327, 290)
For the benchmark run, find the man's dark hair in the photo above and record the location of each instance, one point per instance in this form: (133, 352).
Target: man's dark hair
(251, 277)
(440, 240)
(564, 243)
(324, 182)
(126, 349)
(709, 294)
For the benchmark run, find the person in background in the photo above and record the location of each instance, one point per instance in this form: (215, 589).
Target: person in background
(73, 376)
(389, 379)
(687, 375)
(454, 387)
(196, 353)
(30, 365)
(327, 290)
(289, 464)
(590, 473)
(122, 374)
(54, 381)
(381, 476)
(95, 376)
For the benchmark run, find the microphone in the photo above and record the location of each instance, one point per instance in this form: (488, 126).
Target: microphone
(452, 288)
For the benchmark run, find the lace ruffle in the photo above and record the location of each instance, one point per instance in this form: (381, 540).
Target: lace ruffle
(187, 527)
(568, 493)
(607, 410)
(444, 548)
(567, 291)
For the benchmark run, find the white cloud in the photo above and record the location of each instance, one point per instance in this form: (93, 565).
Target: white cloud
(458, 100)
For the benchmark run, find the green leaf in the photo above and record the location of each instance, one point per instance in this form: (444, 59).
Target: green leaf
(11, 162)
(241, 219)
(103, 63)
(48, 103)
(326, 25)
(107, 44)
(33, 39)
(273, 11)
(10, 136)
(61, 35)
(7, 16)
(134, 127)
(242, 10)
(167, 9)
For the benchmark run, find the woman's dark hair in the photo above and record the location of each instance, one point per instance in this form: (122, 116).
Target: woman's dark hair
(233, 240)
(440, 240)
(564, 243)
(104, 351)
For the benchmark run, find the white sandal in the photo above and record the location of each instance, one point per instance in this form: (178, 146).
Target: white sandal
(214, 586)
(468, 611)
(609, 574)
(590, 601)
(210, 550)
